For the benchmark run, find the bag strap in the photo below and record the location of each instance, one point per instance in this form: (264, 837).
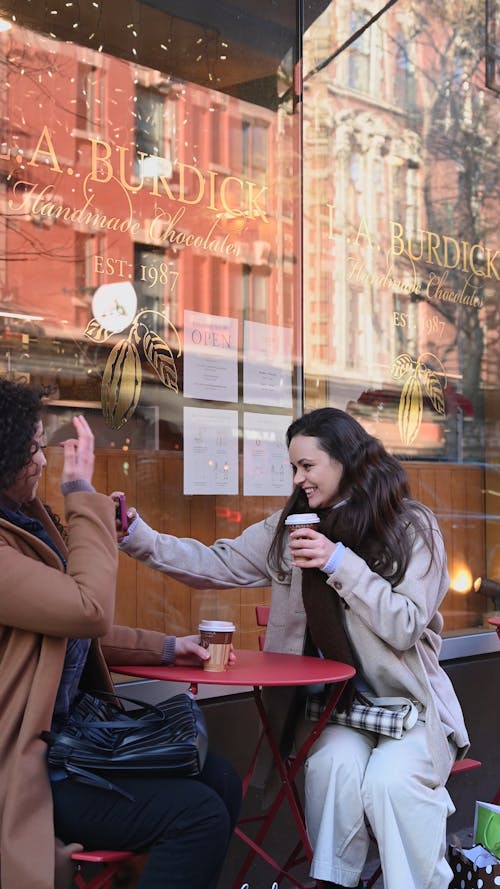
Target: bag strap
(144, 706)
(84, 777)
(412, 715)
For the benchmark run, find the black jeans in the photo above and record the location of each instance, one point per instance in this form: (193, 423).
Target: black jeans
(184, 823)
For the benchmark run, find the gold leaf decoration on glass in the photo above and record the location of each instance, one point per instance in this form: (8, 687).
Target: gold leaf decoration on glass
(122, 378)
(401, 365)
(433, 387)
(160, 357)
(422, 380)
(97, 332)
(410, 409)
(121, 384)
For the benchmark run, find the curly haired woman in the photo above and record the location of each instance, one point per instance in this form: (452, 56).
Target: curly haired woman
(57, 600)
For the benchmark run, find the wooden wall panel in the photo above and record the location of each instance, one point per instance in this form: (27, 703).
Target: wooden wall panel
(455, 493)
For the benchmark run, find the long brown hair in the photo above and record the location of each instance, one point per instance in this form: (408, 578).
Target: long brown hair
(376, 518)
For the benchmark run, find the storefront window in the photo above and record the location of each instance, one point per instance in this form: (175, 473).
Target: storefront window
(401, 147)
(212, 222)
(150, 265)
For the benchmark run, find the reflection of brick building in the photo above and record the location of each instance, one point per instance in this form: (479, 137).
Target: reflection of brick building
(397, 134)
(112, 172)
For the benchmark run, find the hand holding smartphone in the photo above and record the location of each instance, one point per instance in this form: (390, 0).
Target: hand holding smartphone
(121, 512)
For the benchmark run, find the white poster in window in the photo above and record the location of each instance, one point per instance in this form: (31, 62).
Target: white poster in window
(267, 367)
(210, 357)
(210, 451)
(265, 455)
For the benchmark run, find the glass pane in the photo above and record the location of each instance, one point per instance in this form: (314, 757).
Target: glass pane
(401, 205)
(149, 274)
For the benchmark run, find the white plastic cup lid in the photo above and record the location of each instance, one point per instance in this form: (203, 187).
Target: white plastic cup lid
(217, 626)
(305, 518)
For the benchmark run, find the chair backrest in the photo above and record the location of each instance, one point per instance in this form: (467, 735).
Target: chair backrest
(262, 615)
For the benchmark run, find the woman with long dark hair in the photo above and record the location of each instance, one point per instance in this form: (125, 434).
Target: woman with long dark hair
(364, 588)
(57, 599)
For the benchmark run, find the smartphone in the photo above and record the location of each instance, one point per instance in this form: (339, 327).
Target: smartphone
(121, 512)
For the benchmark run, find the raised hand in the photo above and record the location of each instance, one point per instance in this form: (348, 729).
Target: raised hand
(79, 453)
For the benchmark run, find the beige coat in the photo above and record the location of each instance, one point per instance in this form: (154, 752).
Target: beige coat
(395, 632)
(41, 606)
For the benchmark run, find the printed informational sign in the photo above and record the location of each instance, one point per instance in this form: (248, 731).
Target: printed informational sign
(210, 451)
(266, 466)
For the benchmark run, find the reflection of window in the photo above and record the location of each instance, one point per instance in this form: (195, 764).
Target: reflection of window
(400, 324)
(151, 277)
(89, 100)
(235, 145)
(404, 82)
(358, 77)
(356, 185)
(255, 150)
(355, 352)
(154, 133)
(89, 249)
(406, 194)
(255, 287)
(198, 124)
(217, 120)
(260, 157)
(260, 297)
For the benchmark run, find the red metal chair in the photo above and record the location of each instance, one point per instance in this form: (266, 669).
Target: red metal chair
(111, 863)
(262, 615)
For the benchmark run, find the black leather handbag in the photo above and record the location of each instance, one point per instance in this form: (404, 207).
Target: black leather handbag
(99, 736)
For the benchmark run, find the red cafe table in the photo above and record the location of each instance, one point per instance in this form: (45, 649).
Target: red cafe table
(259, 670)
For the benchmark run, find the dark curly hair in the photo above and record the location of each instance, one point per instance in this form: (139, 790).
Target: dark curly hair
(20, 413)
(380, 509)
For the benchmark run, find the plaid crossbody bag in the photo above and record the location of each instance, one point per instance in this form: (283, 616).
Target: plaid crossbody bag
(384, 716)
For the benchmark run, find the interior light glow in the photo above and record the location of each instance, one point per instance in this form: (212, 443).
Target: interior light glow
(461, 580)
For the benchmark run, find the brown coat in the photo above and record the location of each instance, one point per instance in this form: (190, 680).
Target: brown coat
(41, 606)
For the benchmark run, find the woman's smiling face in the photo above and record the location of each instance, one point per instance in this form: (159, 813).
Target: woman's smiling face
(318, 474)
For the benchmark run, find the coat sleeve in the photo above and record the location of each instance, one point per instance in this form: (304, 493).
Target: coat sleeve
(125, 645)
(36, 595)
(398, 615)
(241, 562)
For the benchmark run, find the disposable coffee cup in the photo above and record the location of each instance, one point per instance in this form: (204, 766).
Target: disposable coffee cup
(216, 636)
(302, 520)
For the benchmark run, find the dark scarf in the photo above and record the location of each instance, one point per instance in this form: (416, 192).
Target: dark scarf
(325, 618)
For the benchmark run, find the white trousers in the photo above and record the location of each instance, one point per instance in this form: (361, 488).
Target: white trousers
(351, 774)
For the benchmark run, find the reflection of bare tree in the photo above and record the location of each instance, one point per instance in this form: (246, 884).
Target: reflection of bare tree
(460, 139)
(29, 71)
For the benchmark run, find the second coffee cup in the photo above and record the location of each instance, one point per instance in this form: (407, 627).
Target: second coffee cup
(216, 636)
